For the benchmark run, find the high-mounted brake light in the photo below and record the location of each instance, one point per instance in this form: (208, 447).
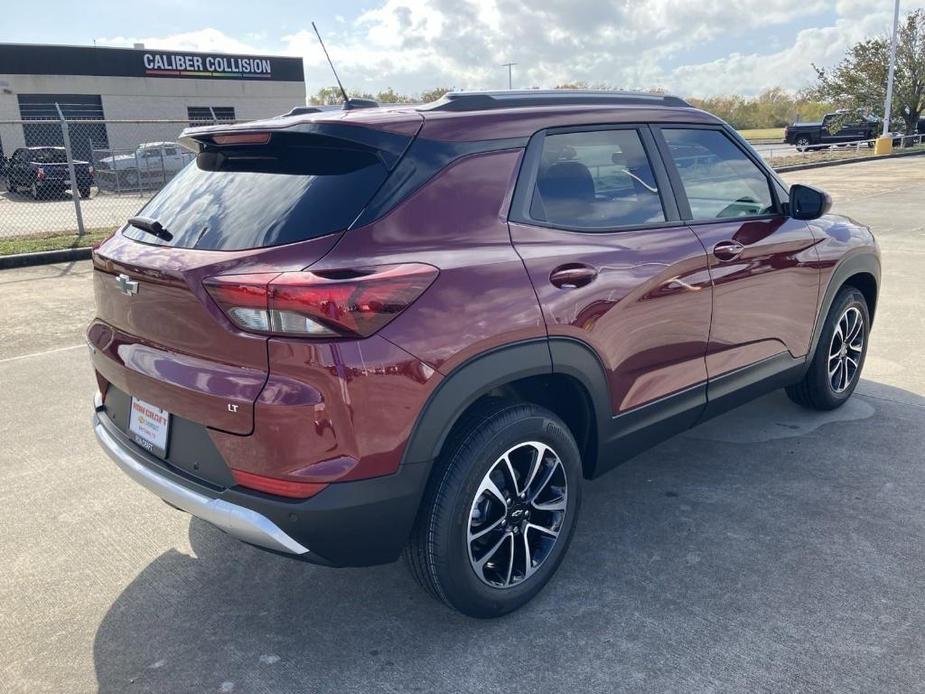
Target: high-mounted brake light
(308, 304)
(242, 139)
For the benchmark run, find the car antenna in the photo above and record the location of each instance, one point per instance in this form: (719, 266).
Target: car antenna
(347, 104)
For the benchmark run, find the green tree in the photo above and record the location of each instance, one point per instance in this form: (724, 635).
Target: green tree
(326, 96)
(434, 94)
(390, 96)
(858, 82)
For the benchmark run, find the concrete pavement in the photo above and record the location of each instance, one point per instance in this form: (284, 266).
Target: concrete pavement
(773, 549)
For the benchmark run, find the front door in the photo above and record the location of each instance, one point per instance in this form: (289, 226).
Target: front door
(612, 264)
(763, 263)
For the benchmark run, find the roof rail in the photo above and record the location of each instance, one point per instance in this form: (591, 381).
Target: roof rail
(485, 101)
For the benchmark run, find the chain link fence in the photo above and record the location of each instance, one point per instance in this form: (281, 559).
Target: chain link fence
(69, 182)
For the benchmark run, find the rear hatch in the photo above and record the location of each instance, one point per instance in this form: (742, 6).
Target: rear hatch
(52, 161)
(254, 202)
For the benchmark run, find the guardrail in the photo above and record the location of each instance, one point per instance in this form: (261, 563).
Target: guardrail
(776, 153)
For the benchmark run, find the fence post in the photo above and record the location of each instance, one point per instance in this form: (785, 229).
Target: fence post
(75, 188)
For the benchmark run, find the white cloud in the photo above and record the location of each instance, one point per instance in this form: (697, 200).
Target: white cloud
(413, 45)
(203, 40)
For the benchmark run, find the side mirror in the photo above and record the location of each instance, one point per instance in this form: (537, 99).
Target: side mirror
(807, 202)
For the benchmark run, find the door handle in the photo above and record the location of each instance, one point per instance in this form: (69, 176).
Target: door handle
(728, 250)
(572, 276)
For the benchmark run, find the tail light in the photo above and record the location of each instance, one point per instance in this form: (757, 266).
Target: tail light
(40, 173)
(328, 304)
(90, 170)
(275, 485)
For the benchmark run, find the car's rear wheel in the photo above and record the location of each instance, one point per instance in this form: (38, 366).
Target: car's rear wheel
(802, 143)
(499, 511)
(85, 192)
(836, 366)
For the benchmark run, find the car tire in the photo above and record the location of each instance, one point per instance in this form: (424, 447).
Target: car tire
(473, 550)
(84, 192)
(802, 143)
(837, 363)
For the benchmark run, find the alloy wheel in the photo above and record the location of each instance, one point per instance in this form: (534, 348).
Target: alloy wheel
(846, 349)
(517, 514)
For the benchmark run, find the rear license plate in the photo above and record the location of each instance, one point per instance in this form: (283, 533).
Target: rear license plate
(149, 426)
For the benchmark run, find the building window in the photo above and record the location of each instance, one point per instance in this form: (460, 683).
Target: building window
(84, 113)
(209, 115)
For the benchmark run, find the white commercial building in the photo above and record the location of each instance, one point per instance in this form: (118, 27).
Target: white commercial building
(126, 84)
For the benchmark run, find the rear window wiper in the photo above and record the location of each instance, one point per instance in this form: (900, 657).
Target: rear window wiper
(152, 226)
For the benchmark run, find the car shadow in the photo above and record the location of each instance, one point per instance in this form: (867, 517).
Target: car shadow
(723, 558)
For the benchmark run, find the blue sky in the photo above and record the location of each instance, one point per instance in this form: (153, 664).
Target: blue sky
(690, 47)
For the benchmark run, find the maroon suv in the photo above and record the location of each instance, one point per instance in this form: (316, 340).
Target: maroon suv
(342, 335)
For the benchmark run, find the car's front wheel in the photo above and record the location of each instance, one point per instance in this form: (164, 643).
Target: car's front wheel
(802, 143)
(499, 512)
(836, 367)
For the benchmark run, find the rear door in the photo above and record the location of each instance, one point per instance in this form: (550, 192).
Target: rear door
(613, 266)
(762, 262)
(265, 207)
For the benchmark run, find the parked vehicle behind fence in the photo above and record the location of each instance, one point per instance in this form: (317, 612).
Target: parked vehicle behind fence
(835, 128)
(342, 336)
(150, 163)
(43, 172)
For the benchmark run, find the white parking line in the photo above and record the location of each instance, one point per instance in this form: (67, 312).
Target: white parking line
(39, 354)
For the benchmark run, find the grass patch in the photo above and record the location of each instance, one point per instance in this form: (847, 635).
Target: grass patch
(52, 241)
(763, 134)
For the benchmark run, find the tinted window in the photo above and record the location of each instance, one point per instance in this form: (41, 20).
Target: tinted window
(596, 180)
(48, 156)
(720, 181)
(260, 196)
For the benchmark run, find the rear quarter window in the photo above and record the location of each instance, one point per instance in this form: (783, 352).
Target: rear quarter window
(295, 189)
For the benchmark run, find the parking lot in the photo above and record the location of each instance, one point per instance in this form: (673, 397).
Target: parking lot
(772, 549)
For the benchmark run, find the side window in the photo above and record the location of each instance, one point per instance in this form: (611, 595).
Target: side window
(719, 180)
(170, 151)
(595, 180)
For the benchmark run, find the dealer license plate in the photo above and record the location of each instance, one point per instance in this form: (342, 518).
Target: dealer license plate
(148, 427)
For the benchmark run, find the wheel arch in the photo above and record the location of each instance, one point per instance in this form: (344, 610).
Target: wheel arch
(861, 271)
(563, 375)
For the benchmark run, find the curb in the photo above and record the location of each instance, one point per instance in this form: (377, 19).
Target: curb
(44, 257)
(839, 162)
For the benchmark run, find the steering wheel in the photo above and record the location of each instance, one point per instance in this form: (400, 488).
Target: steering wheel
(736, 208)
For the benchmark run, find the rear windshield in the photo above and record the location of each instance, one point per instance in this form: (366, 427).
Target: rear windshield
(255, 196)
(48, 156)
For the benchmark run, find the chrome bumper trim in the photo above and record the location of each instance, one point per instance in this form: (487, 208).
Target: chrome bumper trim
(238, 521)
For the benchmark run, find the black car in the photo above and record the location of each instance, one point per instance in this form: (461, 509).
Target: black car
(835, 128)
(44, 171)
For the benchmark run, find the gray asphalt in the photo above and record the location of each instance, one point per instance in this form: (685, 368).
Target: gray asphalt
(772, 549)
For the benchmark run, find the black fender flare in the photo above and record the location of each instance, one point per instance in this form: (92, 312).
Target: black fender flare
(489, 370)
(867, 263)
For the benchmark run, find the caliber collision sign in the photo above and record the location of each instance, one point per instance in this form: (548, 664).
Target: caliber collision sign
(24, 59)
(181, 65)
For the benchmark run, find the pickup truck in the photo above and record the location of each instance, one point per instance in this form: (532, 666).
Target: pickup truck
(834, 128)
(151, 163)
(43, 172)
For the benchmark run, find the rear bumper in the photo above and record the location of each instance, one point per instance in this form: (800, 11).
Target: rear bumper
(238, 521)
(348, 524)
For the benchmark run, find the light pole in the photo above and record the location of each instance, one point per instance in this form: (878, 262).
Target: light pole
(510, 73)
(885, 143)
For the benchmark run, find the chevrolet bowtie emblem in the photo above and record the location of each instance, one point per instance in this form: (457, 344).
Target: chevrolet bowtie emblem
(127, 285)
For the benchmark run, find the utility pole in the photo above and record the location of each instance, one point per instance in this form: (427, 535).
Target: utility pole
(510, 73)
(888, 103)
